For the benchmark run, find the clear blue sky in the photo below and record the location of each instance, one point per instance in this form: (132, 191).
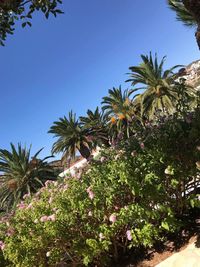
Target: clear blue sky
(71, 62)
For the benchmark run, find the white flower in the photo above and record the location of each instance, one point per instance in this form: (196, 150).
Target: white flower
(103, 159)
(48, 254)
(101, 236)
(198, 164)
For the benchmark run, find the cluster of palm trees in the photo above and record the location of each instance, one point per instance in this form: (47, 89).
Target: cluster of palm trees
(121, 109)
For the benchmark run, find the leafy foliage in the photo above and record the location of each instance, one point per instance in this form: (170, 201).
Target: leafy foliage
(158, 85)
(119, 109)
(72, 137)
(150, 180)
(120, 115)
(96, 123)
(77, 227)
(182, 13)
(188, 11)
(14, 10)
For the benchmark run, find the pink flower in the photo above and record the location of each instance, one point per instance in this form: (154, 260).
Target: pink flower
(128, 235)
(88, 189)
(2, 245)
(52, 218)
(21, 205)
(47, 183)
(30, 206)
(65, 187)
(78, 176)
(113, 218)
(10, 232)
(44, 219)
(142, 145)
(90, 193)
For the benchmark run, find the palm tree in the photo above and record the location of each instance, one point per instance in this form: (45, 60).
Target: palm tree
(72, 137)
(21, 175)
(188, 11)
(119, 109)
(158, 85)
(96, 123)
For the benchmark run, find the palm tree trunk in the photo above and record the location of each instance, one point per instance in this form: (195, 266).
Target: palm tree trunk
(197, 34)
(84, 151)
(193, 6)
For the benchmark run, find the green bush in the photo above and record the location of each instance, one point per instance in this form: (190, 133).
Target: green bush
(87, 221)
(129, 198)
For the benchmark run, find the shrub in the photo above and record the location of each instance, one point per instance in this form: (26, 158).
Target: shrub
(128, 199)
(113, 207)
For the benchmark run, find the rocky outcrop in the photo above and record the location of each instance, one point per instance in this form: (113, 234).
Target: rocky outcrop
(192, 74)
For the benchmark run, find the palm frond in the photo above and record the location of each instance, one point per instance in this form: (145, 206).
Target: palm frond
(182, 14)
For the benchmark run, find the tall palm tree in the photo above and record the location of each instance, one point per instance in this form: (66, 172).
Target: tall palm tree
(159, 92)
(119, 108)
(97, 125)
(21, 174)
(117, 102)
(188, 11)
(72, 137)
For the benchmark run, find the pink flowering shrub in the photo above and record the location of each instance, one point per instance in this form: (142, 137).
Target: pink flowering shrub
(83, 221)
(129, 200)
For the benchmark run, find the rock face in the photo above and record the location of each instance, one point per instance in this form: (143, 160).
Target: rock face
(192, 74)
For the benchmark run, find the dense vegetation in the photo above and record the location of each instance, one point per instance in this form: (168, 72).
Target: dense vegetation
(139, 187)
(129, 197)
(136, 190)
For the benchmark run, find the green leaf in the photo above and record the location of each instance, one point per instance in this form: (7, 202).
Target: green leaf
(165, 225)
